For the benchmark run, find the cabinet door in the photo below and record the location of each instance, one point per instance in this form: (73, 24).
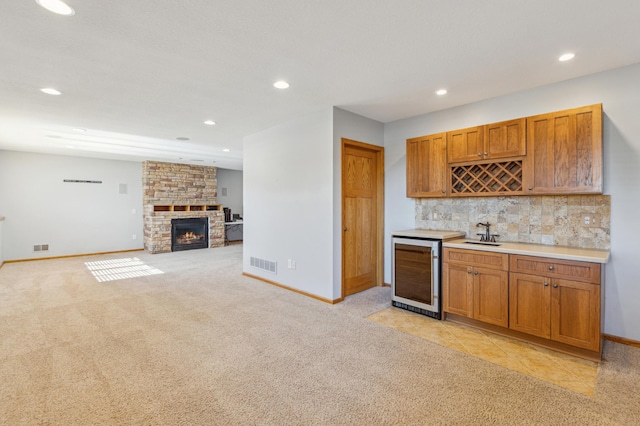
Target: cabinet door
(530, 304)
(505, 139)
(575, 314)
(565, 152)
(427, 166)
(465, 144)
(491, 296)
(457, 288)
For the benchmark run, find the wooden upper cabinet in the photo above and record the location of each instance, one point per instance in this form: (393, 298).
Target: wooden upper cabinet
(465, 144)
(564, 152)
(505, 139)
(427, 166)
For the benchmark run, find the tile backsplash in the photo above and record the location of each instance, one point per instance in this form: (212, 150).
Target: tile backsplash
(567, 220)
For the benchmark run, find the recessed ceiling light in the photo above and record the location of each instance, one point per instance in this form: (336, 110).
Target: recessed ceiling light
(566, 57)
(226, 150)
(50, 91)
(57, 6)
(281, 84)
(182, 138)
(210, 123)
(79, 130)
(441, 92)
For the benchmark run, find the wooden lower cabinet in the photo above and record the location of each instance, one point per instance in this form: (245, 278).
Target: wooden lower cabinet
(561, 310)
(565, 313)
(478, 290)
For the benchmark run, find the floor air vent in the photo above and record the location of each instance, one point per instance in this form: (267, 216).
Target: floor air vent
(263, 264)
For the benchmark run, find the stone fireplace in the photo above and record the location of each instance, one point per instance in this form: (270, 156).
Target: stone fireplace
(180, 191)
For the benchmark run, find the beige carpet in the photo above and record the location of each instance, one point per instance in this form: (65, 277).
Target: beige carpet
(201, 344)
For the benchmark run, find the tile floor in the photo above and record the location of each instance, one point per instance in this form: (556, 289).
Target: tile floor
(567, 371)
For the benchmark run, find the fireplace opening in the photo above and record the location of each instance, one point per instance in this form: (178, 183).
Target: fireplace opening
(190, 233)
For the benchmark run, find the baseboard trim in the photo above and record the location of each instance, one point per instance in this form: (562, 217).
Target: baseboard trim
(622, 340)
(72, 255)
(304, 293)
(386, 285)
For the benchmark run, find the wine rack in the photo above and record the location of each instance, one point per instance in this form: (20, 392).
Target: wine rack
(489, 178)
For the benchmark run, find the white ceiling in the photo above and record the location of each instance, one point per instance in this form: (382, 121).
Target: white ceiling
(137, 74)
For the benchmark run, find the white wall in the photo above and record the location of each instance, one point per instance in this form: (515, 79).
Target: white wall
(1, 254)
(355, 127)
(288, 202)
(73, 218)
(618, 91)
(232, 180)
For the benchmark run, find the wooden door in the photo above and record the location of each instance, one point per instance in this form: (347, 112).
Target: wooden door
(565, 152)
(362, 183)
(530, 304)
(575, 314)
(427, 166)
(505, 139)
(491, 296)
(465, 144)
(457, 287)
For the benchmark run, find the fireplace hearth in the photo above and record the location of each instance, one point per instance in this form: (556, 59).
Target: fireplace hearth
(189, 233)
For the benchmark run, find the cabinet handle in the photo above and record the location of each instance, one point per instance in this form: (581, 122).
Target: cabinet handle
(476, 272)
(546, 284)
(479, 154)
(486, 153)
(469, 271)
(530, 188)
(443, 191)
(551, 267)
(555, 286)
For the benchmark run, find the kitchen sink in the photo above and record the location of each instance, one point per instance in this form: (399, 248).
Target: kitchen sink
(483, 243)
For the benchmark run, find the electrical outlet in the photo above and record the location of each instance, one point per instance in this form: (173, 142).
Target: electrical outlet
(293, 264)
(134, 237)
(587, 220)
(289, 263)
(435, 216)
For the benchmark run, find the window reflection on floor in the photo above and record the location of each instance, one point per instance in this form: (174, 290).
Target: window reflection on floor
(120, 269)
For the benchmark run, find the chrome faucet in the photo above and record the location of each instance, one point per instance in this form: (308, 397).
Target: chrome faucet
(486, 236)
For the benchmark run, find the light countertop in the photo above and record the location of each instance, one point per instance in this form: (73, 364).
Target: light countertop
(433, 234)
(527, 249)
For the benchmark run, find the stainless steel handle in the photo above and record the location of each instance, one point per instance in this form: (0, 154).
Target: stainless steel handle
(555, 286)
(546, 284)
(551, 267)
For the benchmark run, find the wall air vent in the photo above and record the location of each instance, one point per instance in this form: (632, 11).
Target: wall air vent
(265, 265)
(41, 247)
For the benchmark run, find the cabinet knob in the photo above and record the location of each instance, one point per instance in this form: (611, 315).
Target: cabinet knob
(479, 154)
(530, 188)
(476, 272)
(486, 153)
(551, 267)
(546, 284)
(345, 229)
(444, 191)
(555, 286)
(469, 271)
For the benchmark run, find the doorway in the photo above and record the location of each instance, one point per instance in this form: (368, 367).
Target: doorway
(362, 216)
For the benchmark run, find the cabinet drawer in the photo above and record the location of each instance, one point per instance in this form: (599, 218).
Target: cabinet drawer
(569, 269)
(484, 259)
